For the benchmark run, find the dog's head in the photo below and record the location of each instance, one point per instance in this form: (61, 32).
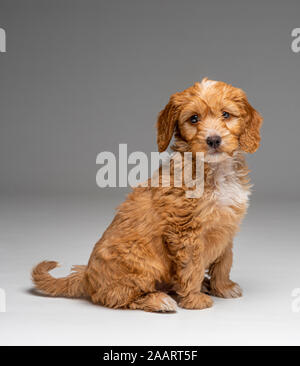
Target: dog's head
(210, 117)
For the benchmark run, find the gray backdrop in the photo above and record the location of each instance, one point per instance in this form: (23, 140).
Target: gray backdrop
(80, 77)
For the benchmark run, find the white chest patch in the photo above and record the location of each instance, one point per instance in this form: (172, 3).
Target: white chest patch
(228, 189)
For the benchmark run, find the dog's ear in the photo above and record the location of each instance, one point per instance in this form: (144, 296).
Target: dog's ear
(166, 122)
(250, 137)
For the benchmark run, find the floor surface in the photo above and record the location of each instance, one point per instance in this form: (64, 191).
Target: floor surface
(266, 265)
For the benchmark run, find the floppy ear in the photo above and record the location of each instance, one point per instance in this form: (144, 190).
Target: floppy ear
(166, 124)
(250, 137)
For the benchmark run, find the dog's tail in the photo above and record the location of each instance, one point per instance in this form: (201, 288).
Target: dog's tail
(70, 286)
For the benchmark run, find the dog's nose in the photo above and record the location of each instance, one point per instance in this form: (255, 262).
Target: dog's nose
(213, 141)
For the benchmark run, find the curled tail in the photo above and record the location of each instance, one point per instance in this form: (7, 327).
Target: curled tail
(70, 286)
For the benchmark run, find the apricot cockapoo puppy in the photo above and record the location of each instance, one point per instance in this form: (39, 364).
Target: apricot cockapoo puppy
(161, 241)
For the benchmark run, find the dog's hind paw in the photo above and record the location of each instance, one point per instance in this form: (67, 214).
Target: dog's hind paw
(158, 302)
(168, 305)
(196, 301)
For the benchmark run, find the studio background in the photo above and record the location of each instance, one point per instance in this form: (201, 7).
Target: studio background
(81, 77)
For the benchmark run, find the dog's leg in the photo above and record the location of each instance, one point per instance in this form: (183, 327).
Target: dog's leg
(116, 295)
(189, 274)
(122, 297)
(220, 284)
(143, 295)
(155, 302)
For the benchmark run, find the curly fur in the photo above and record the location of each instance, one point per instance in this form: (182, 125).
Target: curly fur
(161, 241)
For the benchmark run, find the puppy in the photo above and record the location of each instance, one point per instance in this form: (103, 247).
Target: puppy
(161, 240)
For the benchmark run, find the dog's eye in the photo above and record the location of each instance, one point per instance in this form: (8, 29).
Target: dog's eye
(194, 118)
(225, 115)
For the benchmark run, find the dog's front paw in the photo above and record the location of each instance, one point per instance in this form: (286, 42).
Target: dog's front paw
(196, 301)
(229, 290)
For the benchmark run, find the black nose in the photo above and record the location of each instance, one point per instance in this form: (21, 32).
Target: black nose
(213, 141)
